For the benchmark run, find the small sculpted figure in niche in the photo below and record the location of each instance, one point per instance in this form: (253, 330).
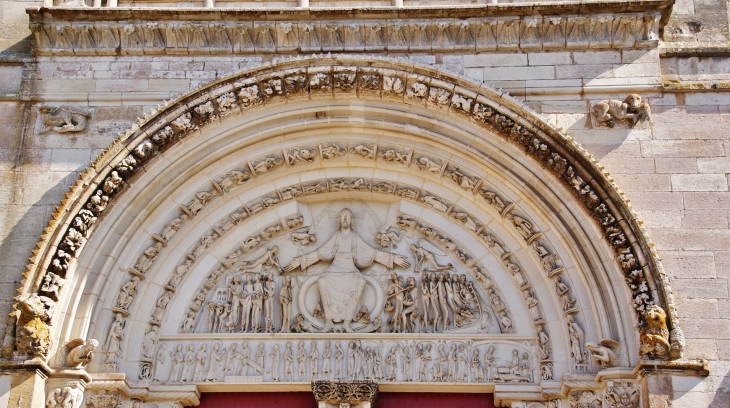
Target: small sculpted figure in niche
(369, 371)
(462, 370)
(443, 282)
(288, 363)
(301, 326)
(189, 323)
(297, 155)
(245, 358)
(525, 367)
(576, 339)
(302, 361)
(180, 271)
(314, 361)
(114, 339)
(200, 359)
(172, 227)
(453, 360)
(256, 303)
(435, 301)
(523, 226)
(378, 365)
(200, 201)
(275, 363)
(145, 261)
(424, 355)
(127, 293)
(489, 361)
(387, 239)
(367, 151)
(425, 302)
(341, 286)
(244, 298)
(477, 371)
(437, 370)
(331, 150)
(260, 359)
(233, 178)
(392, 364)
(564, 293)
(506, 323)
(178, 360)
(393, 155)
(160, 363)
(234, 289)
(405, 351)
(303, 238)
(269, 293)
(150, 343)
(410, 308)
(428, 164)
(339, 355)
(426, 260)
(542, 341)
(532, 304)
(326, 361)
(229, 368)
(216, 367)
(62, 119)
(351, 360)
(285, 299)
(394, 302)
(187, 373)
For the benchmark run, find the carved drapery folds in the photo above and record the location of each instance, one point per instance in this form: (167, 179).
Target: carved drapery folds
(557, 154)
(348, 392)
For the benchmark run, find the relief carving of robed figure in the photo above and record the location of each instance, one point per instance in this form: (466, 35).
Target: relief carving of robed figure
(341, 285)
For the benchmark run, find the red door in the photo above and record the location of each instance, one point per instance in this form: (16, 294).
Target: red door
(306, 400)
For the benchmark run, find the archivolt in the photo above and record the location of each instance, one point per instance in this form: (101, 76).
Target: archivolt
(326, 78)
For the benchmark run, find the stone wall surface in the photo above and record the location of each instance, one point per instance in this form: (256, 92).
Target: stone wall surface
(675, 171)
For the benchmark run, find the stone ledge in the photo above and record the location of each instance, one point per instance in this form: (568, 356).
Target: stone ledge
(685, 50)
(699, 368)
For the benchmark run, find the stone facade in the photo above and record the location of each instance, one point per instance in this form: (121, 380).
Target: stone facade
(567, 160)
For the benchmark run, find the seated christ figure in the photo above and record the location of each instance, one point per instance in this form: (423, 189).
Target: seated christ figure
(341, 286)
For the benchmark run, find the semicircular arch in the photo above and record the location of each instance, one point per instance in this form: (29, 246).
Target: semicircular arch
(439, 135)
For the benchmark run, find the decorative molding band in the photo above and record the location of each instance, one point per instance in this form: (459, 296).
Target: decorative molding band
(326, 78)
(119, 32)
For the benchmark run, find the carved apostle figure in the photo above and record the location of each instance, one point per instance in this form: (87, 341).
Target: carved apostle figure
(341, 286)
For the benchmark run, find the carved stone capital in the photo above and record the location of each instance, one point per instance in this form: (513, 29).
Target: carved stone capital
(362, 393)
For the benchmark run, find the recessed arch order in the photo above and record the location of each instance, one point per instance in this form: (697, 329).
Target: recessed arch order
(514, 195)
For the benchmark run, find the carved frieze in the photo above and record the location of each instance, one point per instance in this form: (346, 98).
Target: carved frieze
(78, 37)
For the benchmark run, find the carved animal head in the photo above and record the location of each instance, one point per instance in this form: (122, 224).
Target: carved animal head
(633, 101)
(656, 319)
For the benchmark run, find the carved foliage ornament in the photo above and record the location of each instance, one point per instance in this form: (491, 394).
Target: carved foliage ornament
(352, 392)
(477, 34)
(534, 143)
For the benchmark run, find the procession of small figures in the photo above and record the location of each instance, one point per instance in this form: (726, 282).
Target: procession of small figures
(293, 361)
